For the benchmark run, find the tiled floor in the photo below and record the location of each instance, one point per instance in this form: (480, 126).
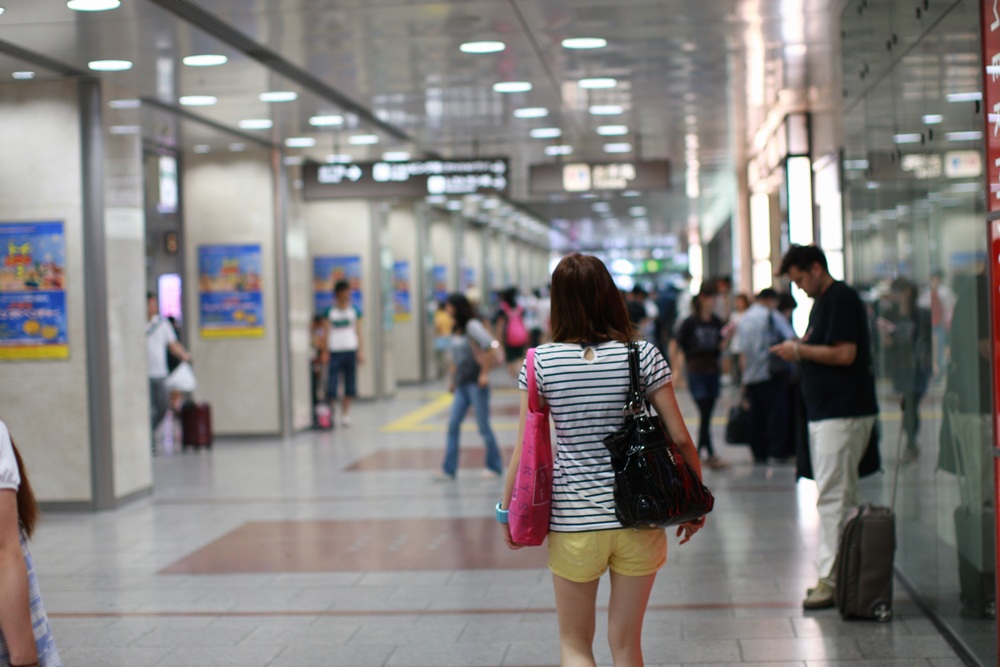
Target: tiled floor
(338, 549)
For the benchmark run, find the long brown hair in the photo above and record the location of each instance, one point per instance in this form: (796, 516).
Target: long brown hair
(587, 306)
(27, 507)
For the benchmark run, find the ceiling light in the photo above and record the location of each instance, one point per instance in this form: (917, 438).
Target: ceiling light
(198, 100)
(932, 119)
(279, 96)
(109, 65)
(23, 76)
(93, 5)
(326, 121)
(631, 193)
(454, 205)
(237, 147)
(531, 112)
(558, 150)
(512, 87)
(125, 104)
(597, 83)
(124, 129)
(206, 60)
(339, 158)
(201, 149)
(395, 156)
(293, 160)
(637, 211)
(617, 148)
(908, 138)
(600, 207)
(612, 130)
(363, 139)
(256, 124)
(584, 43)
(482, 47)
(856, 165)
(964, 97)
(1, 10)
(546, 133)
(974, 135)
(300, 142)
(607, 109)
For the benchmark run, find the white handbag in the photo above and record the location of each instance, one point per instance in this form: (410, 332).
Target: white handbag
(182, 379)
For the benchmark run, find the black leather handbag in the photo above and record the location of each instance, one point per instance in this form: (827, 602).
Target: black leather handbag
(653, 484)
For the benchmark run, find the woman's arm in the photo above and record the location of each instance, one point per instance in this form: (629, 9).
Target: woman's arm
(515, 463)
(15, 609)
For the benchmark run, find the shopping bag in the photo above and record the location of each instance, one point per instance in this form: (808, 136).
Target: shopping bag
(531, 500)
(182, 379)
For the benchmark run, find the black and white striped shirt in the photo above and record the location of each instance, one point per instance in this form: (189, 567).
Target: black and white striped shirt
(586, 399)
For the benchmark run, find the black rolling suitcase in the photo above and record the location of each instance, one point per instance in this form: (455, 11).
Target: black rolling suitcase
(864, 564)
(196, 424)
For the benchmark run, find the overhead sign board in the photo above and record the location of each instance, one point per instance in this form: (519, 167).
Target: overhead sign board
(608, 176)
(405, 179)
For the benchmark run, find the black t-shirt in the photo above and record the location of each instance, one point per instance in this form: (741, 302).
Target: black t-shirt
(839, 316)
(700, 341)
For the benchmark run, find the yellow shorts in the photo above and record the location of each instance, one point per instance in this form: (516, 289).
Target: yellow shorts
(583, 557)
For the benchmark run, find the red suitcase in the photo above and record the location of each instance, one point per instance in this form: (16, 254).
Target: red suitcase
(196, 423)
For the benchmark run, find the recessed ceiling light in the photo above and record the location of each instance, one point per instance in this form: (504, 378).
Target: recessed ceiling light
(237, 147)
(617, 148)
(601, 207)
(93, 5)
(124, 129)
(256, 124)
(202, 148)
(558, 150)
(300, 142)
(607, 109)
(909, 138)
(584, 43)
(339, 158)
(395, 156)
(612, 130)
(512, 87)
(198, 100)
(482, 47)
(1, 10)
(600, 82)
(631, 193)
(932, 119)
(279, 96)
(546, 132)
(637, 211)
(964, 97)
(326, 121)
(363, 139)
(531, 112)
(125, 104)
(109, 65)
(23, 76)
(205, 60)
(974, 135)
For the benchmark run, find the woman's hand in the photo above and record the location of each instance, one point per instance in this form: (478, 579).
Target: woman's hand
(511, 544)
(690, 528)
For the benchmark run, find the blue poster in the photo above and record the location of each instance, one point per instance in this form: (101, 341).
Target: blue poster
(327, 272)
(439, 282)
(33, 291)
(402, 307)
(230, 299)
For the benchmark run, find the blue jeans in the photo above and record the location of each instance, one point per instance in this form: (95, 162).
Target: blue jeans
(346, 363)
(470, 393)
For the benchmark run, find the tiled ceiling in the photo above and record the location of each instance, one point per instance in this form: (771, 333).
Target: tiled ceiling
(394, 68)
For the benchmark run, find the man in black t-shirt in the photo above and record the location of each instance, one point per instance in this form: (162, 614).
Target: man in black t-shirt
(839, 390)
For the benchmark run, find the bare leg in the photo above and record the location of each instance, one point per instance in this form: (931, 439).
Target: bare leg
(346, 406)
(629, 596)
(576, 607)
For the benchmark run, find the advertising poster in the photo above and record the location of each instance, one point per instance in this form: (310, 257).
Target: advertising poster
(468, 279)
(327, 271)
(230, 299)
(439, 282)
(402, 307)
(33, 291)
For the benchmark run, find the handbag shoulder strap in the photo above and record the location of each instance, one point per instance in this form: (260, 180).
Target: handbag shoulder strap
(529, 369)
(635, 399)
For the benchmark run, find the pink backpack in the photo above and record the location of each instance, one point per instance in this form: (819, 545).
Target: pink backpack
(531, 500)
(515, 333)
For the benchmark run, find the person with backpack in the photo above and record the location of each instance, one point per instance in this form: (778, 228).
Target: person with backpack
(513, 333)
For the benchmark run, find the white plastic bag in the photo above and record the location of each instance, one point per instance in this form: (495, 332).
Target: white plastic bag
(182, 379)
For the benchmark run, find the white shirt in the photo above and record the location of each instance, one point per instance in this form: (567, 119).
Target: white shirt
(343, 335)
(159, 334)
(585, 398)
(10, 477)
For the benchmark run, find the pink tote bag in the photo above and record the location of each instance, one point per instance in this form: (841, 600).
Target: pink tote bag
(531, 500)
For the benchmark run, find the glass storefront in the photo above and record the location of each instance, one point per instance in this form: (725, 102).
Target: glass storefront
(916, 233)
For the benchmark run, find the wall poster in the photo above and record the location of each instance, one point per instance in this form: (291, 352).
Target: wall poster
(439, 282)
(33, 291)
(230, 298)
(402, 304)
(327, 271)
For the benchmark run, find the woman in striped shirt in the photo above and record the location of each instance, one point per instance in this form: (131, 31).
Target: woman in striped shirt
(583, 376)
